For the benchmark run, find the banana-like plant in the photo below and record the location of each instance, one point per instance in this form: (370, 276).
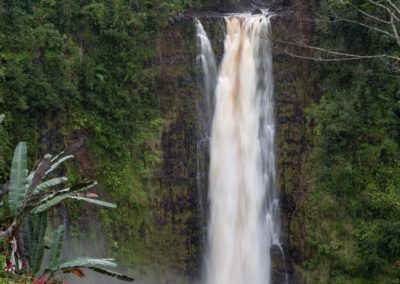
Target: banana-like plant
(29, 198)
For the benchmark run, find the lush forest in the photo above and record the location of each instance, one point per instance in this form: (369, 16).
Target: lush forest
(86, 70)
(90, 72)
(352, 170)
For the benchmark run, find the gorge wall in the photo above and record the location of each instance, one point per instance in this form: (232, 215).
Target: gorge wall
(130, 91)
(337, 169)
(121, 77)
(166, 240)
(294, 89)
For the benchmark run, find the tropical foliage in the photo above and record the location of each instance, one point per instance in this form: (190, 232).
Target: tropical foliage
(86, 69)
(353, 170)
(25, 218)
(90, 68)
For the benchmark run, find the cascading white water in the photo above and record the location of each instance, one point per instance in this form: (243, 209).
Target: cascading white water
(208, 65)
(206, 60)
(244, 220)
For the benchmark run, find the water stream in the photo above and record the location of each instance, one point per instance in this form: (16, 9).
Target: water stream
(244, 209)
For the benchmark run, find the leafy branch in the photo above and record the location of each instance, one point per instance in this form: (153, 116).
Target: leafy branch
(380, 17)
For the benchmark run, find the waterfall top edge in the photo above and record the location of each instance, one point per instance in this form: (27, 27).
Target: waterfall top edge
(253, 12)
(244, 14)
(210, 15)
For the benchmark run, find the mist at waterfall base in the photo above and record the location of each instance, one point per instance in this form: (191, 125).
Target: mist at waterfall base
(243, 214)
(97, 249)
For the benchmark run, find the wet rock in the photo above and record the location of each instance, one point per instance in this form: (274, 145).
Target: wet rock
(171, 21)
(176, 19)
(279, 270)
(257, 12)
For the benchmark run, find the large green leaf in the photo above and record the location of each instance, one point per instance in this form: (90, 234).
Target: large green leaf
(27, 234)
(112, 274)
(58, 163)
(50, 203)
(90, 263)
(83, 186)
(78, 187)
(55, 249)
(57, 156)
(95, 201)
(83, 262)
(35, 245)
(47, 203)
(49, 183)
(52, 195)
(18, 178)
(30, 177)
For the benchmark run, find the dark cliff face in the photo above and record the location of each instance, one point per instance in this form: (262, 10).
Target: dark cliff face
(167, 242)
(294, 89)
(179, 94)
(167, 211)
(183, 173)
(225, 6)
(178, 213)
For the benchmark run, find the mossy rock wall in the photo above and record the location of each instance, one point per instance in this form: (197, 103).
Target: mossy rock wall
(294, 90)
(158, 229)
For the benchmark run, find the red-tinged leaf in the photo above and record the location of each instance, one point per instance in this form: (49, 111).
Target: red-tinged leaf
(76, 271)
(41, 280)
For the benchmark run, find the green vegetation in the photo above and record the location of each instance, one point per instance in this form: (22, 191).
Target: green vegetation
(90, 70)
(353, 207)
(25, 221)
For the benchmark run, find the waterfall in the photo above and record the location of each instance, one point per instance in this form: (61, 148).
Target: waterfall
(206, 60)
(244, 210)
